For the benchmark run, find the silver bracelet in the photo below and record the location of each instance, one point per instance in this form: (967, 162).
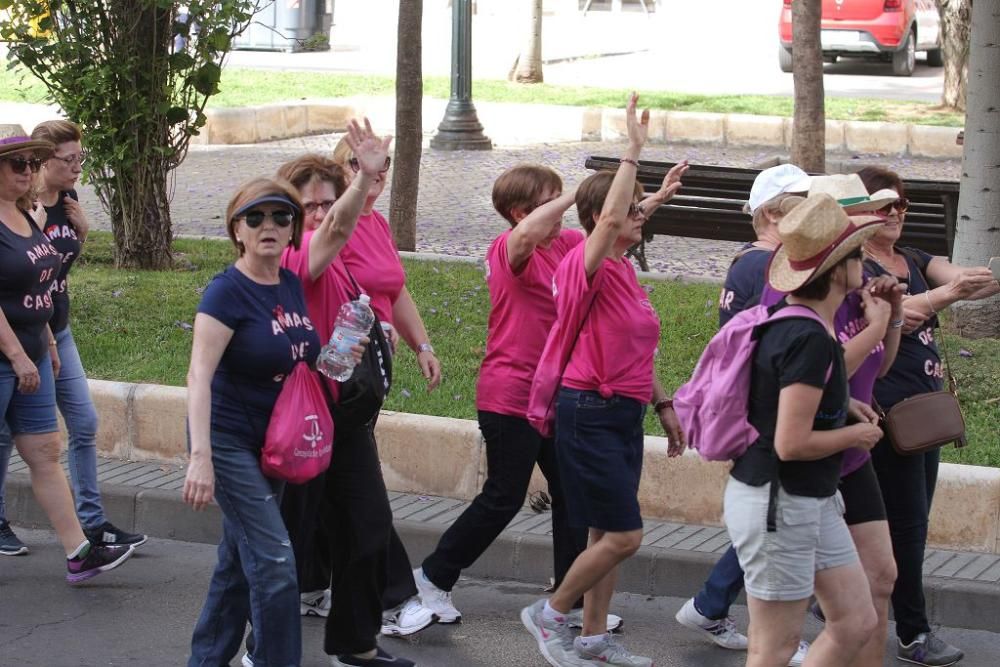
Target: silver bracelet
(896, 324)
(425, 347)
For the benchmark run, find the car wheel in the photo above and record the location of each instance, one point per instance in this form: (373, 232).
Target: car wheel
(935, 58)
(784, 59)
(904, 61)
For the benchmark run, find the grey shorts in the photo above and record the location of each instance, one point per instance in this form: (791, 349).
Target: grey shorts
(811, 535)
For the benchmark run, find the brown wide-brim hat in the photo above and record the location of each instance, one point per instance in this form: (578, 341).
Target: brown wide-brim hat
(815, 236)
(13, 139)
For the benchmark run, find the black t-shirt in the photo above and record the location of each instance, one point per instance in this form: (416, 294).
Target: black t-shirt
(62, 235)
(794, 351)
(917, 368)
(744, 282)
(28, 269)
(271, 333)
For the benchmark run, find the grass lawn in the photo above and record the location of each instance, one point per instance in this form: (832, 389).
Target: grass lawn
(135, 327)
(245, 87)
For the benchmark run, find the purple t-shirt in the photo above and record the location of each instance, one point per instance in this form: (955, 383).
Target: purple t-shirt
(848, 322)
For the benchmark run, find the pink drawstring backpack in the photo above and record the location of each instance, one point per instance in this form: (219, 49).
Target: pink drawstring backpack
(299, 439)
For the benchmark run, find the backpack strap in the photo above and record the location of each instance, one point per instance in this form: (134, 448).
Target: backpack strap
(746, 251)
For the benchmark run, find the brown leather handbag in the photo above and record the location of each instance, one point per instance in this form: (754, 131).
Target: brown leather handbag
(926, 421)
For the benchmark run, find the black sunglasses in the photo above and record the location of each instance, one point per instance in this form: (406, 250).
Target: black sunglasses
(900, 205)
(255, 218)
(635, 211)
(19, 164)
(356, 166)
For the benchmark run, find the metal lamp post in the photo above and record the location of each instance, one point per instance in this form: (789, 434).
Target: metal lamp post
(460, 129)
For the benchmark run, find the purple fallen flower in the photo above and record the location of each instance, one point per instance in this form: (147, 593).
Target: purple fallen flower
(964, 353)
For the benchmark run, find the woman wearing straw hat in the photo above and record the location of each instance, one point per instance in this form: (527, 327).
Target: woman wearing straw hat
(788, 478)
(29, 363)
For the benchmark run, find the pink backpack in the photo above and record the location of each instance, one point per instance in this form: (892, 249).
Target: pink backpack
(713, 405)
(299, 439)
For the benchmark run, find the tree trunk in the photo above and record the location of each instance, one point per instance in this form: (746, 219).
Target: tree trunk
(956, 22)
(809, 121)
(140, 218)
(528, 67)
(409, 125)
(978, 235)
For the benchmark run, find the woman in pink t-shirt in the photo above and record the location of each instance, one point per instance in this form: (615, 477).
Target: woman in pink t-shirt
(608, 331)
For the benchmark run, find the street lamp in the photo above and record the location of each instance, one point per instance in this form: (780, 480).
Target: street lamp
(460, 129)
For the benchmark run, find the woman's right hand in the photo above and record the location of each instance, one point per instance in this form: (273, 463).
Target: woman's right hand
(867, 435)
(199, 482)
(368, 148)
(358, 351)
(26, 372)
(636, 126)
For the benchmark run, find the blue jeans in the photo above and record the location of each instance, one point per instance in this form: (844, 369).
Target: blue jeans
(720, 590)
(73, 398)
(255, 577)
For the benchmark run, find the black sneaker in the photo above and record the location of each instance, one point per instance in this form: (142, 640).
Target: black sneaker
(9, 544)
(98, 559)
(382, 659)
(108, 535)
(926, 649)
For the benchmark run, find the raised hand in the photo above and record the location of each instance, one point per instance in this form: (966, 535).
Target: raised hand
(637, 127)
(672, 181)
(371, 151)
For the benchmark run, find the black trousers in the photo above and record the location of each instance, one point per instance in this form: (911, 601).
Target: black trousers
(512, 449)
(301, 508)
(359, 521)
(907, 488)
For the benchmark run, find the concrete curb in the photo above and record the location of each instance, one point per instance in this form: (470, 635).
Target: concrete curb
(512, 123)
(518, 556)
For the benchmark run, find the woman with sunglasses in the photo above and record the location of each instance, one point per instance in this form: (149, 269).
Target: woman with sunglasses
(608, 332)
(907, 482)
(29, 361)
(66, 227)
(252, 327)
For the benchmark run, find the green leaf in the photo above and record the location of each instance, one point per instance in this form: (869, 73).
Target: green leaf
(206, 79)
(177, 115)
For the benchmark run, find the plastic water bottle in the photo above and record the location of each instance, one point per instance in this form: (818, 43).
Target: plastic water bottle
(354, 322)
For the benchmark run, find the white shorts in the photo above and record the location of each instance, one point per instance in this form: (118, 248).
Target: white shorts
(811, 535)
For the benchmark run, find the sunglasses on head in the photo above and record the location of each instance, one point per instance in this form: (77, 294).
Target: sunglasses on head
(356, 165)
(20, 164)
(255, 218)
(900, 206)
(634, 211)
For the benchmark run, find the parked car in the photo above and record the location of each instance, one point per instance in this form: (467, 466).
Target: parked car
(880, 30)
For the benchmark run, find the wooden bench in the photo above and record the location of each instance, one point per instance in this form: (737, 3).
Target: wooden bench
(710, 206)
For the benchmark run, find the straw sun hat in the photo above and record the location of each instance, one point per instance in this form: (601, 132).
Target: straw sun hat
(13, 139)
(849, 191)
(815, 236)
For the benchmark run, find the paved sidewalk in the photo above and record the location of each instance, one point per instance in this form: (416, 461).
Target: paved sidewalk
(455, 214)
(963, 588)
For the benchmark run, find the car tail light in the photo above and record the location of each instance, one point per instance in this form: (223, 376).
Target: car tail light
(788, 3)
(893, 6)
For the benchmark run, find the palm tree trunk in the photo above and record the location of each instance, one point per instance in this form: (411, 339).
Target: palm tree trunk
(409, 125)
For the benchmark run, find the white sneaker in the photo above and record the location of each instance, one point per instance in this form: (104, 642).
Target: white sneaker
(407, 618)
(800, 655)
(722, 632)
(246, 660)
(435, 599)
(609, 652)
(315, 603)
(575, 620)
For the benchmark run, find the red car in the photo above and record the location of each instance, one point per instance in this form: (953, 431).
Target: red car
(883, 30)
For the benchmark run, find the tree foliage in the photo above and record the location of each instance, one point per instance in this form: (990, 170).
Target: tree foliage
(136, 76)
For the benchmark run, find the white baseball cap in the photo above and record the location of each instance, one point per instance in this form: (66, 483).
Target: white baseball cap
(775, 181)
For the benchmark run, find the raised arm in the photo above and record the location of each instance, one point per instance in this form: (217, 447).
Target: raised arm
(210, 340)
(611, 222)
(535, 228)
(340, 221)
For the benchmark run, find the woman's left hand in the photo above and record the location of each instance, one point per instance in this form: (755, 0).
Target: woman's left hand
(672, 427)
(672, 182)
(75, 214)
(358, 351)
(431, 368)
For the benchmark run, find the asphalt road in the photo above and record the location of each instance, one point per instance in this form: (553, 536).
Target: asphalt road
(142, 614)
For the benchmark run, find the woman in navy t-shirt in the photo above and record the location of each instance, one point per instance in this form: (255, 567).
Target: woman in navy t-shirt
(251, 329)
(28, 360)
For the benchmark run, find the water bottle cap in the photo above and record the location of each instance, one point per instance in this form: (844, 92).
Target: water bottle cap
(365, 299)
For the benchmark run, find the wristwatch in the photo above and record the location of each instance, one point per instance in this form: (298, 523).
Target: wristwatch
(425, 347)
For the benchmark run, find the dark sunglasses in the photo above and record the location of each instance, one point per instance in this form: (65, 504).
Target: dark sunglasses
(255, 219)
(634, 211)
(311, 207)
(19, 164)
(356, 166)
(900, 206)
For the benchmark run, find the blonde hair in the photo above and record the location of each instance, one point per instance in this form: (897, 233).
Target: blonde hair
(262, 187)
(57, 131)
(342, 152)
(778, 206)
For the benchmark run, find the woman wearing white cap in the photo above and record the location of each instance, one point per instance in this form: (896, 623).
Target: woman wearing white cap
(783, 511)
